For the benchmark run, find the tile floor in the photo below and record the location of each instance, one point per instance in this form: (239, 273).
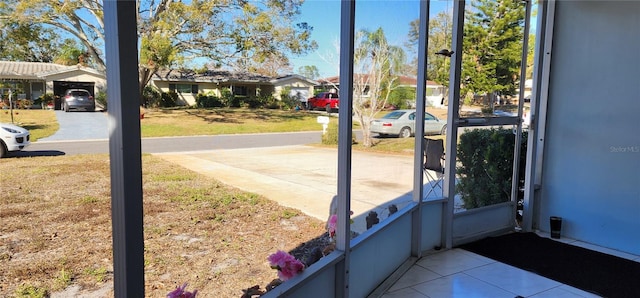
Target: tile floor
(459, 273)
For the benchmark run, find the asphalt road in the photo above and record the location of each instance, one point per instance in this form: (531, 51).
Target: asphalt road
(87, 133)
(173, 144)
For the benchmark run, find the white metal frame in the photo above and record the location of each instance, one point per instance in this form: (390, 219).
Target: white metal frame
(539, 97)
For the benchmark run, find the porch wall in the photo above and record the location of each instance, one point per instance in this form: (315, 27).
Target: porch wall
(376, 256)
(591, 166)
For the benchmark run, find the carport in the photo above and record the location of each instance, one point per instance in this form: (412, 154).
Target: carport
(30, 80)
(59, 88)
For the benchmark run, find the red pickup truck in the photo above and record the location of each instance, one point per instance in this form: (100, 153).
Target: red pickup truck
(324, 100)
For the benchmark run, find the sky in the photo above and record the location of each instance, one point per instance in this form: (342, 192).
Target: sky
(393, 16)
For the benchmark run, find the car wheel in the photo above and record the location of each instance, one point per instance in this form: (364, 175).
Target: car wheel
(3, 150)
(328, 108)
(443, 131)
(405, 132)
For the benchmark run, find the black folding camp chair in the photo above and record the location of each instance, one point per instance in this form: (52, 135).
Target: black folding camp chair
(433, 167)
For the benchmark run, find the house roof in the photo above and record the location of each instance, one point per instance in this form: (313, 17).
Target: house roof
(216, 76)
(402, 80)
(37, 70)
(293, 77)
(25, 70)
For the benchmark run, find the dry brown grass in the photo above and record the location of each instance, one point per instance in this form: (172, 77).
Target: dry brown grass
(56, 229)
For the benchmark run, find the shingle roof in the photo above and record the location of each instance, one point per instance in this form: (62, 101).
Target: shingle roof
(13, 69)
(36, 70)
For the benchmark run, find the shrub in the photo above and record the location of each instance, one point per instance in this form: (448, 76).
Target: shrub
(287, 101)
(101, 98)
(168, 99)
(44, 99)
(400, 96)
(151, 97)
(331, 136)
(486, 162)
(24, 103)
(260, 101)
(209, 101)
(230, 99)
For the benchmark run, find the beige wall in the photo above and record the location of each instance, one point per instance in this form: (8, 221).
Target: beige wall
(294, 83)
(78, 76)
(211, 88)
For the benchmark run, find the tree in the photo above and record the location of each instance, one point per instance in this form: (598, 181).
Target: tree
(376, 64)
(439, 38)
(71, 54)
(493, 46)
(309, 71)
(275, 65)
(28, 42)
(227, 32)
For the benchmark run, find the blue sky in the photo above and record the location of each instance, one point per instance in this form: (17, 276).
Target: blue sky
(393, 16)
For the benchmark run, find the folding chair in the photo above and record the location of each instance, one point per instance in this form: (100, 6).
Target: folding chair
(434, 164)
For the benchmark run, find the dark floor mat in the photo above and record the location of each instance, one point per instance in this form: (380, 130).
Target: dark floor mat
(591, 271)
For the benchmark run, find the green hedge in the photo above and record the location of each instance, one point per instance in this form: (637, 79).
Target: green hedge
(485, 166)
(209, 101)
(168, 99)
(331, 136)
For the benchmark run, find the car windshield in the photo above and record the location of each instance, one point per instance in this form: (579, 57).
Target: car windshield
(79, 93)
(394, 115)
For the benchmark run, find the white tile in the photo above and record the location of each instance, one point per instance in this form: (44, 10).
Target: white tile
(452, 261)
(477, 256)
(462, 286)
(404, 293)
(512, 279)
(414, 276)
(605, 250)
(564, 291)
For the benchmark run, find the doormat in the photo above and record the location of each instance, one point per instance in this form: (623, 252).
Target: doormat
(598, 273)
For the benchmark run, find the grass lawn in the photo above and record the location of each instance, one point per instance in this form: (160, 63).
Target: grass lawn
(56, 230)
(189, 122)
(40, 123)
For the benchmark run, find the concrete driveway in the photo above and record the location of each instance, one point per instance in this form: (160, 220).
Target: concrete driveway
(78, 125)
(305, 177)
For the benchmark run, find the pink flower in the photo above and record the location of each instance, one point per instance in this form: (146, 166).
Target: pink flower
(179, 292)
(287, 265)
(333, 223)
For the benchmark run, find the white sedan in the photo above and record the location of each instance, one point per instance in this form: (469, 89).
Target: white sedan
(12, 138)
(402, 123)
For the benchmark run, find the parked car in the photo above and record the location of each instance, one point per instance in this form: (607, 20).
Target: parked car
(12, 138)
(75, 99)
(402, 124)
(324, 100)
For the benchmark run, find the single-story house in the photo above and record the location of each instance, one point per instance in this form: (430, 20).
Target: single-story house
(297, 85)
(435, 92)
(30, 80)
(188, 83)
